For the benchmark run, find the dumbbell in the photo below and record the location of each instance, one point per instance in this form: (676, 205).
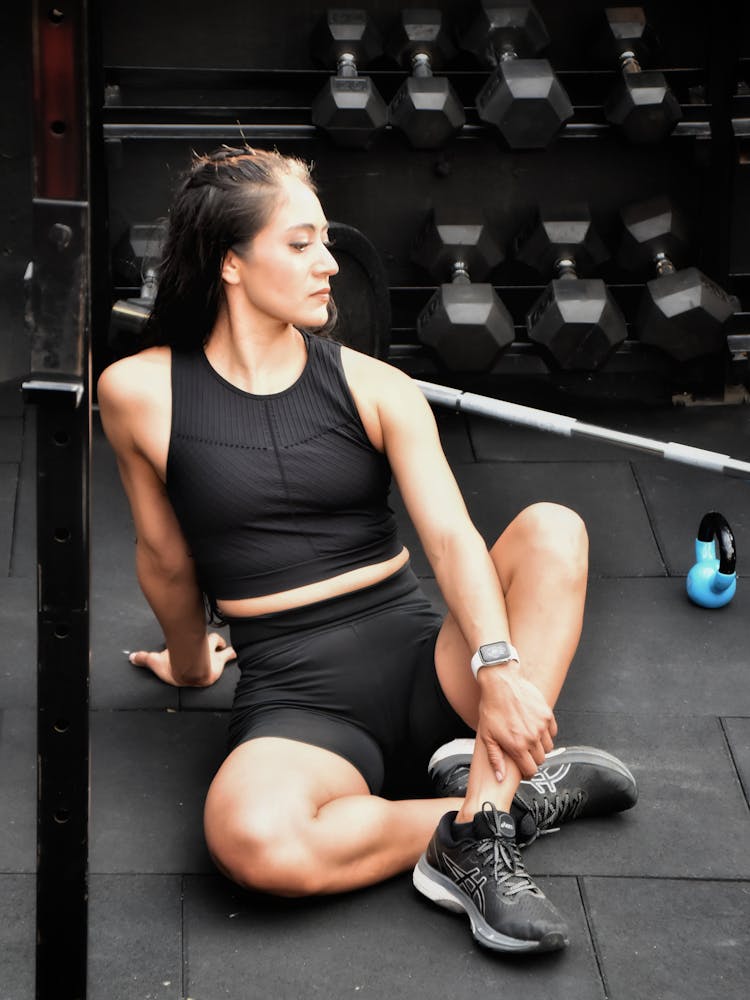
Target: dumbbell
(138, 250)
(349, 107)
(465, 323)
(575, 322)
(135, 261)
(522, 98)
(425, 108)
(682, 312)
(641, 104)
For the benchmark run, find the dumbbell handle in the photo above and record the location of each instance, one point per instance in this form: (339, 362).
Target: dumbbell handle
(421, 64)
(566, 268)
(347, 64)
(629, 62)
(663, 264)
(460, 273)
(150, 284)
(543, 420)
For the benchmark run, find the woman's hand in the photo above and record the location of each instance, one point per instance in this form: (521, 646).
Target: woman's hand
(514, 720)
(219, 654)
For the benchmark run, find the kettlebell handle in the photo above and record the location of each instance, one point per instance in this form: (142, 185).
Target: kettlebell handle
(715, 526)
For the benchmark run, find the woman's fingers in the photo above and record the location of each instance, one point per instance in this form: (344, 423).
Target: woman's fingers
(553, 727)
(227, 654)
(495, 756)
(218, 644)
(547, 743)
(141, 658)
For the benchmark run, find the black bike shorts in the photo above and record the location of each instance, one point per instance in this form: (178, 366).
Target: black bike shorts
(353, 674)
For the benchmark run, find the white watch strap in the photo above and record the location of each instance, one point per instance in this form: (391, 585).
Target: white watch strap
(477, 662)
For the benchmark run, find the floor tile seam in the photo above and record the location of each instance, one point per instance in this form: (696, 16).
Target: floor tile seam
(693, 879)
(13, 518)
(540, 461)
(588, 917)
(148, 710)
(658, 713)
(183, 944)
(181, 875)
(25, 457)
(470, 436)
(631, 576)
(722, 719)
(649, 515)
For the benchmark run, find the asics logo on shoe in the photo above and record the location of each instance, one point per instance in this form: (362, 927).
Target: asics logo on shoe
(470, 882)
(546, 780)
(507, 827)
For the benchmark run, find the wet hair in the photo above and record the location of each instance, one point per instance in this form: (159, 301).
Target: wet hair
(224, 200)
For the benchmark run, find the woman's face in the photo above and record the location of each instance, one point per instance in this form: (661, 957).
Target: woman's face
(284, 273)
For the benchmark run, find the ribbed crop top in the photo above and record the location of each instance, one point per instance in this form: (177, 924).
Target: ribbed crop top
(275, 492)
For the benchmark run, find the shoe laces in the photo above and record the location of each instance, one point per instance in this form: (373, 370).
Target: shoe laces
(549, 813)
(503, 853)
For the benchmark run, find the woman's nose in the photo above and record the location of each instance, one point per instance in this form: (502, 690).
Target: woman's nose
(327, 263)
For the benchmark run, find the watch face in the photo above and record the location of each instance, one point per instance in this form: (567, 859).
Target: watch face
(495, 652)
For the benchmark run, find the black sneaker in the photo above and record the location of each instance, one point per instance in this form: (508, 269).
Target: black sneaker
(573, 782)
(478, 870)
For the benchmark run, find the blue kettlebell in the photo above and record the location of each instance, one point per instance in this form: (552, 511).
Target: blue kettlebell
(712, 582)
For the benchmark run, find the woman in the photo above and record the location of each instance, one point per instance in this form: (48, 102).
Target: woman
(257, 458)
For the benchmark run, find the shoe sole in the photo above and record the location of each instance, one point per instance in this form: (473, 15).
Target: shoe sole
(460, 750)
(441, 891)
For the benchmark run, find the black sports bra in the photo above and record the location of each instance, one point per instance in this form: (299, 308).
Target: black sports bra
(275, 492)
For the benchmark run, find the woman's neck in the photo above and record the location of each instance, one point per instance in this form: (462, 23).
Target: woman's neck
(258, 359)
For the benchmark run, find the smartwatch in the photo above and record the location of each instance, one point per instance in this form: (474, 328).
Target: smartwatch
(492, 654)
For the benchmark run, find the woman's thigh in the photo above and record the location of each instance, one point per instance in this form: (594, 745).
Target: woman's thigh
(263, 797)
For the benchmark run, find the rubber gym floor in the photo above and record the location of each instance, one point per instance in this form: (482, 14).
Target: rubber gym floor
(658, 899)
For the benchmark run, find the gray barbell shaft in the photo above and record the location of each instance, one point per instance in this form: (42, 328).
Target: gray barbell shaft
(543, 420)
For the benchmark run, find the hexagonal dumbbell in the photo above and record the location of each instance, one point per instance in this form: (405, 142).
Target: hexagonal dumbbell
(425, 108)
(682, 312)
(641, 103)
(135, 261)
(575, 322)
(349, 107)
(466, 324)
(522, 98)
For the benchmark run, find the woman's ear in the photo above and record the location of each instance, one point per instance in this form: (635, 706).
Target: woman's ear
(230, 270)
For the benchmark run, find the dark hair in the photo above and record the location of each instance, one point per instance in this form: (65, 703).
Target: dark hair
(224, 200)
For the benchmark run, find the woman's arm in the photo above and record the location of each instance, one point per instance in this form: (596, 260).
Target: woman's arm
(138, 433)
(514, 716)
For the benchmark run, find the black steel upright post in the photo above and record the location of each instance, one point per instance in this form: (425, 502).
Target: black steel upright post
(722, 71)
(59, 386)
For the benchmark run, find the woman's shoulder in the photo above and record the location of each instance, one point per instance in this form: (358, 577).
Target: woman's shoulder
(136, 378)
(375, 375)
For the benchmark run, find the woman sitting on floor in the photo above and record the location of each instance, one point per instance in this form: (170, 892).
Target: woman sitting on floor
(257, 457)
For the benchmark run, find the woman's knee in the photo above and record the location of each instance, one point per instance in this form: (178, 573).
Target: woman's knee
(264, 851)
(556, 535)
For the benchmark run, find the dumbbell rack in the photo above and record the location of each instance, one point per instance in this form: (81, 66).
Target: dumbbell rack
(153, 114)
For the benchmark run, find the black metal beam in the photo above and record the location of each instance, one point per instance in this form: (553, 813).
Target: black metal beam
(59, 386)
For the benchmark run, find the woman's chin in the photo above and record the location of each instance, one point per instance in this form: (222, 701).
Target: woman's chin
(314, 319)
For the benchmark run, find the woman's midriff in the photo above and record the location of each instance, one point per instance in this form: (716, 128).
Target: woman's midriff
(344, 583)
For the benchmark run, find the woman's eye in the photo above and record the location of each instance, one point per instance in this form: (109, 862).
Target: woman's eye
(299, 246)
